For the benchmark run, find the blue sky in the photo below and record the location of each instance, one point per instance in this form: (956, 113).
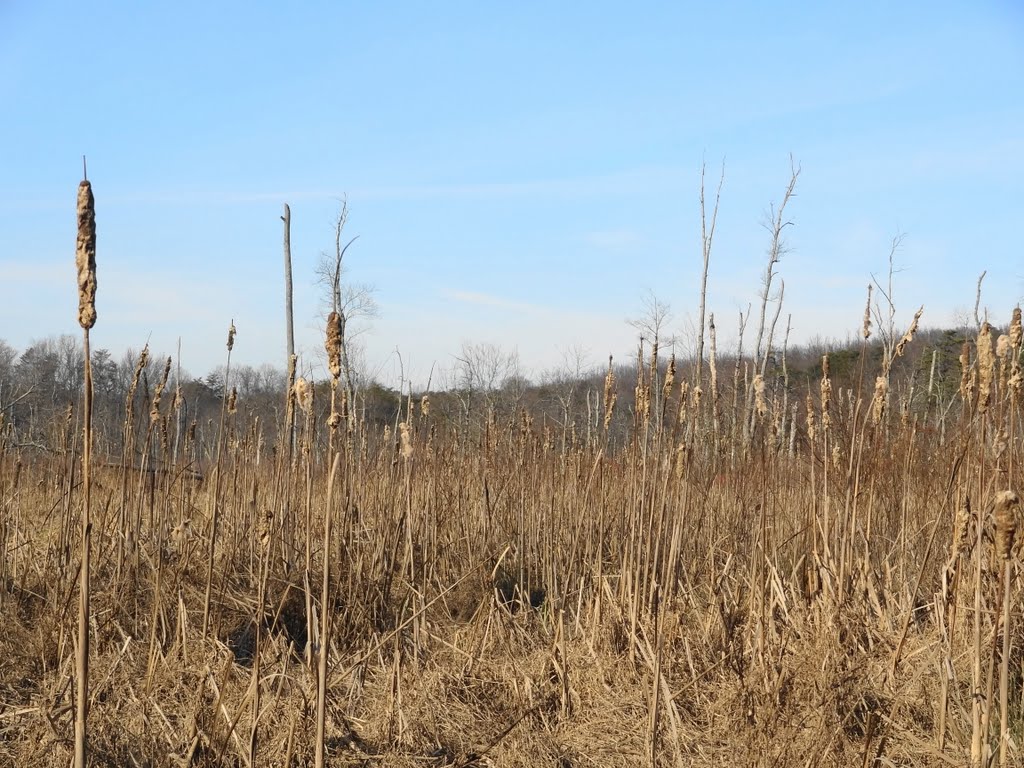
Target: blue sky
(521, 174)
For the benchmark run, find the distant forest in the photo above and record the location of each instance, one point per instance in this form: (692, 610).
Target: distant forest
(485, 390)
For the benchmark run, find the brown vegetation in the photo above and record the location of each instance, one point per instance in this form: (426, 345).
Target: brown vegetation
(821, 572)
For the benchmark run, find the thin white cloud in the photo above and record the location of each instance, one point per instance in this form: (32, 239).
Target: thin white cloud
(613, 239)
(488, 300)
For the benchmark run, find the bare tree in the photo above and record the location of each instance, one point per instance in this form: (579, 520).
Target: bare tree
(482, 371)
(352, 302)
(565, 383)
(707, 236)
(776, 224)
(887, 323)
(651, 324)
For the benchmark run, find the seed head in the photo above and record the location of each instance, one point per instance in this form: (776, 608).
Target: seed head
(986, 366)
(866, 331)
(1006, 522)
(301, 389)
(85, 256)
(406, 435)
(1016, 332)
(909, 335)
(878, 401)
(333, 345)
(759, 401)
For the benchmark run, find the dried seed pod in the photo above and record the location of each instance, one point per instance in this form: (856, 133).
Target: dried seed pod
(909, 335)
(610, 395)
(759, 402)
(1016, 331)
(406, 435)
(85, 256)
(333, 345)
(878, 401)
(301, 390)
(986, 367)
(866, 330)
(1006, 522)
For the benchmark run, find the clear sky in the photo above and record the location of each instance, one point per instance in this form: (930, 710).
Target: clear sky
(518, 173)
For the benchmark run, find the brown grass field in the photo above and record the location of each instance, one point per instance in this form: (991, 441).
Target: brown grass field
(736, 576)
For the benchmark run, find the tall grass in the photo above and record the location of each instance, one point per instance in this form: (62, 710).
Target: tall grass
(701, 574)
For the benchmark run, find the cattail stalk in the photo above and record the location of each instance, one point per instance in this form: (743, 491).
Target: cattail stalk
(1006, 530)
(215, 517)
(85, 261)
(325, 620)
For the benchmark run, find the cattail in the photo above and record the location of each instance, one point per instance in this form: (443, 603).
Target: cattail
(406, 435)
(231, 336)
(966, 377)
(684, 401)
(826, 395)
(1006, 522)
(670, 379)
(712, 361)
(333, 345)
(301, 392)
(909, 335)
(154, 411)
(812, 429)
(85, 256)
(424, 406)
(233, 400)
(878, 401)
(1003, 346)
(681, 456)
(866, 330)
(986, 366)
(759, 401)
(1004, 354)
(610, 395)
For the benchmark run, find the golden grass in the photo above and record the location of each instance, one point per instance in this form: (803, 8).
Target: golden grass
(650, 589)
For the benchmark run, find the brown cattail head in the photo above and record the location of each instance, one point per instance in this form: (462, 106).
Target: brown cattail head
(231, 336)
(826, 395)
(1003, 346)
(233, 400)
(301, 390)
(85, 256)
(1016, 331)
(966, 379)
(406, 435)
(812, 429)
(866, 330)
(986, 366)
(610, 395)
(909, 335)
(424, 407)
(670, 379)
(878, 401)
(333, 345)
(1006, 522)
(759, 402)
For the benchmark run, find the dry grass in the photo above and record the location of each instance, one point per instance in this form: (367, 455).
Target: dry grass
(717, 585)
(506, 603)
